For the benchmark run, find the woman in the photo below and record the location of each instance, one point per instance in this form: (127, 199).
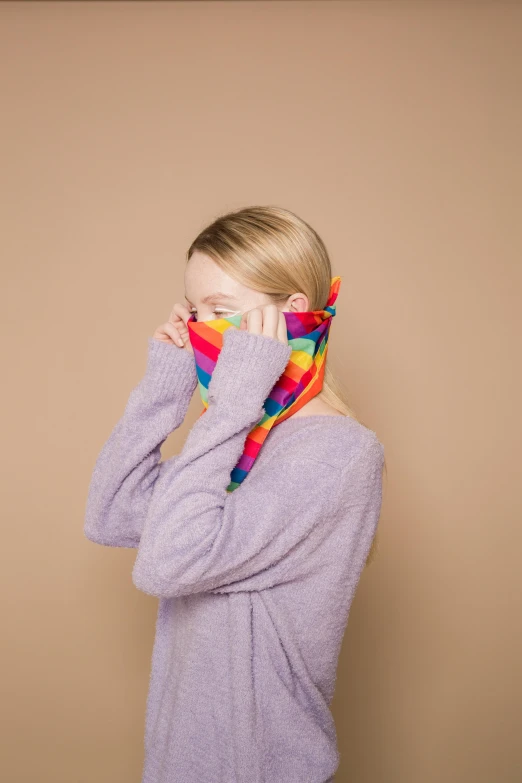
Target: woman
(255, 535)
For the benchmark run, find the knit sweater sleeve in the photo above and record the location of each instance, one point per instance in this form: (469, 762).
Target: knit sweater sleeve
(198, 537)
(129, 463)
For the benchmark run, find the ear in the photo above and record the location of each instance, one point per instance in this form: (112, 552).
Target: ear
(297, 303)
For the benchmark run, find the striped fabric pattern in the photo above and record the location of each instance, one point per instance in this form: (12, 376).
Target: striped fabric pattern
(301, 380)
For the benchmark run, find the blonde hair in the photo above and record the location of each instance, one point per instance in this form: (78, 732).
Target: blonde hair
(271, 250)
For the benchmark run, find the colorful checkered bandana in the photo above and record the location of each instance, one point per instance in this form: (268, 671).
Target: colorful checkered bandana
(301, 380)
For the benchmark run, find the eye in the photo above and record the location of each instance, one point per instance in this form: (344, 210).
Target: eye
(217, 312)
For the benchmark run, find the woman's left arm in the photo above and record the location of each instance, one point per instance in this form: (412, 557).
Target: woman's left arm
(198, 537)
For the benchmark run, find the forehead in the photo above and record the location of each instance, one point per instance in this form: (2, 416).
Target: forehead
(213, 298)
(206, 282)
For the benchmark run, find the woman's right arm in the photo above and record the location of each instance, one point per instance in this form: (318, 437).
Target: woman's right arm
(129, 463)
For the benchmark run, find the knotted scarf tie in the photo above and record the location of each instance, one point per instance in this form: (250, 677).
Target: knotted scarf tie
(301, 380)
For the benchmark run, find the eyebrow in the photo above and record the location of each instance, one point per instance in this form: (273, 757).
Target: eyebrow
(217, 295)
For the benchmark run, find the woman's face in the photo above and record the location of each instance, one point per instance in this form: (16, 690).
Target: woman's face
(211, 293)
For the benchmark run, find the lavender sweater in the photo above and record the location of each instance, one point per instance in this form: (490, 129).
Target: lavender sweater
(255, 585)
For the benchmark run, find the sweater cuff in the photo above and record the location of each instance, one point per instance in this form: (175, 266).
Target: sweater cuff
(171, 371)
(247, 369)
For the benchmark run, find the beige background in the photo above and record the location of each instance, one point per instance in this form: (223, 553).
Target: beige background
(395, 129)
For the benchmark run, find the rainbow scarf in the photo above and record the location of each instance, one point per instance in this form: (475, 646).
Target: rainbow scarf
(301, 380)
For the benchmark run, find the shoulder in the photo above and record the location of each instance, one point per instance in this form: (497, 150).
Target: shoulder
(339, 441)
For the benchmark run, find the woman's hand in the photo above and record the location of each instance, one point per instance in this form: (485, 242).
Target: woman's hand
(266, 319)
(175, 330)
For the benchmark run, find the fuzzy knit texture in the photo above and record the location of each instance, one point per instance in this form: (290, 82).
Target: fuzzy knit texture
(254, 585)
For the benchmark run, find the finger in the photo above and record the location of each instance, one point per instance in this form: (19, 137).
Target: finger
(270, 320)
(173, 333)
(255, 321)
(185, 336)
(183, 332)
(184, 313)
(179, 313)
(282, 332)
